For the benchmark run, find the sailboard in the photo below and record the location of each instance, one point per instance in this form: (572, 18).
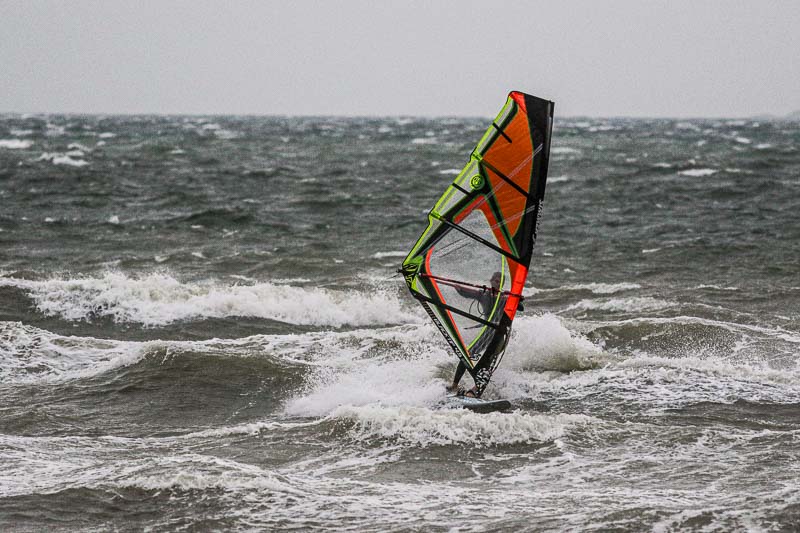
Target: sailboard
(478, 405)
(485, 223)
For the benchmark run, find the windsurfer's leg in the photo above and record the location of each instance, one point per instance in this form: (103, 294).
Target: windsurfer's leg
(457, 377)
(481, 375)
(482, 372)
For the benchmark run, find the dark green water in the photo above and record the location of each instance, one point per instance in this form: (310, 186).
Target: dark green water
(200, 328)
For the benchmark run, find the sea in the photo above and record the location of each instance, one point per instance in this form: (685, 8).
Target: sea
(202, 329)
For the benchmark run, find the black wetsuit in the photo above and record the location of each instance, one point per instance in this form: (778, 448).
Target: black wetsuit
(482, 372)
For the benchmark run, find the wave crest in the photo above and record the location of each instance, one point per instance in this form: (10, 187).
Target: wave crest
(423, 427)
(159, 299)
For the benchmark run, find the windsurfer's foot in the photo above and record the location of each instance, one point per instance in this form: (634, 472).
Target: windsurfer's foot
(472, 393)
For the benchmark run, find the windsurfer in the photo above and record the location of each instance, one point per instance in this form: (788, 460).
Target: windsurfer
(495, 344)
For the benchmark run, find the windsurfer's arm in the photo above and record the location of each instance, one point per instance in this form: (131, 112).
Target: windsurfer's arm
(467, 292)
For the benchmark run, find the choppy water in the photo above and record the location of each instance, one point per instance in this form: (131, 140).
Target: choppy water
(200, 329)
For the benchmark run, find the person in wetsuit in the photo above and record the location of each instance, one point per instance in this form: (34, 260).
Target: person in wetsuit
(495, 344)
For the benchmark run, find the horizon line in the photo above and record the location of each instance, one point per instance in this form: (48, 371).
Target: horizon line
(793, 115)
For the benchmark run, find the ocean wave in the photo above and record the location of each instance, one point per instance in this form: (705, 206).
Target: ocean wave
(352, 381)
(214, 217)
(252, 428)
(717, 287)
(29, 354)
(561, 150)
(384, 255)
(624, 305)
(15, 144)
(424, 427)
(775, 333)
(600, 288)
(665, 382)
(64, 158)
(200, 472)
(685, 337)
(33, 355)
(409, 366)
(543, 343)
(698, 172)
(159, 299)
(63, 463)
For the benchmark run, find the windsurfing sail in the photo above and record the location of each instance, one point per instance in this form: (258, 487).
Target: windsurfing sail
(485, 224)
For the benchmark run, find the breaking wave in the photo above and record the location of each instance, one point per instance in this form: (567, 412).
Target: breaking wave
(159, 299)
(424, 427)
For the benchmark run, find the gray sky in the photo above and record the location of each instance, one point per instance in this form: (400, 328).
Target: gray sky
(624, 58)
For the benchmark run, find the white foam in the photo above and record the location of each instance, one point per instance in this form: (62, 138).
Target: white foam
(632, 304)
(253, 428)
(693, 378)
(698, 172)
(195, 471)
(424, 140)
(114, 219)
(743, 140)
(55, 130)
(67, 160)
(51, 464)
(29, 354)
(686, 126)
(717, 287)
(544, 343)
(226, 134)
(107, 135)
(603, 127)
(601, 288)
(15, 144)
(450, 171)
(560, 150)
(61, 159)
(410, 365)
(424, 427)
(382, 255)
(158, 299)
(777, 333)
